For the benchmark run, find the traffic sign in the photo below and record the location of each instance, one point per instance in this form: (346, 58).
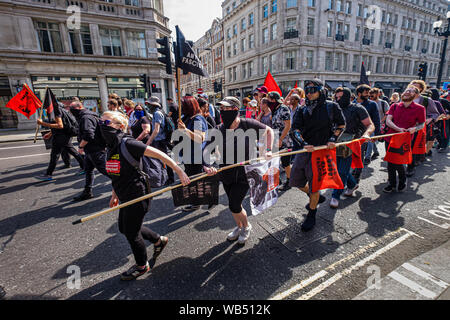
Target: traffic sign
(199, 90)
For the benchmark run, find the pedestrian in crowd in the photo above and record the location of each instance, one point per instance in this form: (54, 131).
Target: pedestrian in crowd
(113, 105)
(403, 117)
(195, 127)
(234, 180)
(265, 116)
(245, 111)
(358, 124)
(383, 108)
(173, 110)
(115, 96)
(262, 93)
(128, 184)
(204, 106)
(382, 96)
(281, 121)
(140, 129)
(295, 102)
(298, 91)
(395, 98)
(61, 141)
(212, 109)
(91, 144)
(129, 106)
(314, 126)
(444, 125)
(65, 156)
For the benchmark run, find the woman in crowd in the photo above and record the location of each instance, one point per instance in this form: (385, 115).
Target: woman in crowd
(140, 129)
(395, 98)
(265, 116)
(204, 107)
(128, 184)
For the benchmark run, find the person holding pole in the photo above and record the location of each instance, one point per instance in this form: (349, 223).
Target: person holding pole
(128, 184)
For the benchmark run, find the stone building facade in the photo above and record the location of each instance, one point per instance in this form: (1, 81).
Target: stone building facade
(43, 44)
(328, 39)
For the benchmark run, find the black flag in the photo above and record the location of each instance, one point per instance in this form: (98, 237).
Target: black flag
(51, 106)
(185, 57)
(363, 79)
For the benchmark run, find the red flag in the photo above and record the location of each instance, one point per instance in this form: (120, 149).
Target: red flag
(51, 106)
(325, 173)
(25, 102)
(296, 85)
(420, 143)
(271, 84)
(355, 146)
(399, 150)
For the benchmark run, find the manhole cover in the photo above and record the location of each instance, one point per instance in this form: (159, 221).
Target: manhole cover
(287, 230)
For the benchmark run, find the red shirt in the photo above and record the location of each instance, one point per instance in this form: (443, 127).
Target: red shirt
(406, 117)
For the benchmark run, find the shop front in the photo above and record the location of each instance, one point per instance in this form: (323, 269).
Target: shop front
(8, 117)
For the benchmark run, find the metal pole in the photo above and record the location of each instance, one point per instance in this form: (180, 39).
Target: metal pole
(442, 63)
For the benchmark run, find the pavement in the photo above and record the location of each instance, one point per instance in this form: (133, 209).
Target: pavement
(18, 135)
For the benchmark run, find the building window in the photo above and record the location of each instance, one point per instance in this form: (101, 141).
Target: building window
(251, 41)
(235, 30)
(348, 7)
(250, 19)
(111, 44)
(310, 27)
(273, 31)
(329, 61)
(250, 69)
(357, 33)
(309, 59)
(274, 6)
(273, 62)
(291, 3)
(244, 71)
(355, 66)
(311, 3)
(80, 40)
(331, 4)
(330, 29)
(379, 65)
(265, 64)
(243, 24)
(243, 45)
(265, 11)
(49, 36)
(360, 10)
(265, 35)
(291, 24)
(290, 60)
(136, 44)
(337, 61)
(339, 6)
(380, 39)
(234, 48)
(346, 31)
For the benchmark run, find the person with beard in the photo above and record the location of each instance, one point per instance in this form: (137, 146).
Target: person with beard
(128, 184)
(195, 126)
(320, 122)
(91, 144)
(403, 117)
(357, 122)
(444, 125)
(140, 130)
(234, 180)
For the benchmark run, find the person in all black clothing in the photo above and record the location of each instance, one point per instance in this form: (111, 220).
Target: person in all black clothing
(91, 143)
(128, 184)
(141, 128)
(320, 122)
(173, 110)
(204, 106)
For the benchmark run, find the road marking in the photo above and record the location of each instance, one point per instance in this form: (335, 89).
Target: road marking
(412, 285)
(444, 226)
(30, 155)
(37, 145)
(333, 266)
(425, 275)
(354, 267)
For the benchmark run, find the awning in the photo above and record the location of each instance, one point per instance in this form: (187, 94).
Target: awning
(333, 85)
(349, 85)
(387, 85)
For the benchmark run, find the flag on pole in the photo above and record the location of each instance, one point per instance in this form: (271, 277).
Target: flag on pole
(296, 85)
(25, 102)
(263, 178)
(355, 146)
(419, 147)
(325, 173)
(185, 57)
(399, 150)
(200, 192)
(51, 106)
(363, 79)
(271, 84)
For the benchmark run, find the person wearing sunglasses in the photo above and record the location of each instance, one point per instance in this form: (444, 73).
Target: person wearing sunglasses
(319, 123)
(128, 184)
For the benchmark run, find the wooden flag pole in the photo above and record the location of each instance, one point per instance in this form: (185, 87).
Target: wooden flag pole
(179, 93)
(40, 117)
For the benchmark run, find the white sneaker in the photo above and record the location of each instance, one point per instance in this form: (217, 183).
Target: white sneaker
(234, 235)
(245, 234)
(334, 203)
(349, 192)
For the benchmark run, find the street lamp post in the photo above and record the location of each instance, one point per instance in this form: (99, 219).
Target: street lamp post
(445, 32)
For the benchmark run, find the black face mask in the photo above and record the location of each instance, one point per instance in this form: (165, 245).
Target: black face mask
(344, 101)
(273, 105)
(228, 117)
(110, 135)
(75, 112)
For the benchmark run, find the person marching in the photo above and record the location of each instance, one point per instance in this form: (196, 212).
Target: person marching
(128, 184)
(265, 116)
(357, 122)
(320, 122)
(140, 128)
(235, 180)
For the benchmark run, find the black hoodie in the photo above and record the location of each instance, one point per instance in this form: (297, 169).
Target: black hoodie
(90, 131)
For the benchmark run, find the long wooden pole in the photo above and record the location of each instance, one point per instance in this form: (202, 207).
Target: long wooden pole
(179, 93)
(203, 176)
(37, 125)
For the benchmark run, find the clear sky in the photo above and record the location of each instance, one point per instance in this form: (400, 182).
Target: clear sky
(194, 17)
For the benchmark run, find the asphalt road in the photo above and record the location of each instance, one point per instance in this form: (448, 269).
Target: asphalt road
(39, 244)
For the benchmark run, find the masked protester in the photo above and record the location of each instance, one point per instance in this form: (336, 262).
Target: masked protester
(140, 130)
(128, 184)
(358, 124)
(444, 125)
(402, 117)
(320, 122)
(234, 180)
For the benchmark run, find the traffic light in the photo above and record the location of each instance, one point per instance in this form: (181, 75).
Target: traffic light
(423, 69)
(165, 52)
(216, 88)
(143, 78)
(154, 90)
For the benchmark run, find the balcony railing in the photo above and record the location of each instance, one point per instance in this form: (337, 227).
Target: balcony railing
(407, 48)
(424, 50)
(366, 41)
(340, 37)
(291, 34)
(388, 45)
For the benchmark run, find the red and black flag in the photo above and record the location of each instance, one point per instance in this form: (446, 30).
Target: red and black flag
(25, 102)
(399, 150)
(419, 147)
(185, 57)
(355, 146)
(325, 173)
(51, 106)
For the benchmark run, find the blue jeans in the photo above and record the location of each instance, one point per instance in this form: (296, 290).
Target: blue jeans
(344, 165)
(371, 146)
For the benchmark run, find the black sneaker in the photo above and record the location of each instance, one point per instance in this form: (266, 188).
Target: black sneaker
(286, 186)
(388, 189)
(159, 248)
(85, 195)
(134, 272)
(366, 162)
(401, 187)
(410, 172)
(44, 177)
(322, 199)
(375, 156)
(190, 208)
(66, 166)
(310, 221)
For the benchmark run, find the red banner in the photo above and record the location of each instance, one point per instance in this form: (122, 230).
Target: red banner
(24, 102)
(420, 143)
(355, 146)
(399, 150)
(325, 173)
(271, 84)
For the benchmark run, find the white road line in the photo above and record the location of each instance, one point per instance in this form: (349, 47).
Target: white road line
(30, 155)
(425, 275)
(354, 267)
(300, 286)
(36, 145)
(412, 285)
(444, 226)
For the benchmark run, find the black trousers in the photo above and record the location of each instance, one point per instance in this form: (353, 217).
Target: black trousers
(130, 224)
(236, 193)
(62, 142)
(94, 160)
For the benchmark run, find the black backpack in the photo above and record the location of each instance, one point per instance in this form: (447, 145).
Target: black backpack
(169, 128)
(70, 124)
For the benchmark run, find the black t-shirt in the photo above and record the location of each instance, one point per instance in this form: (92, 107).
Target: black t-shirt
(57, 114)
(127, 182)
(211, 122)
(174, 109)
(136, 128)
(354, 114)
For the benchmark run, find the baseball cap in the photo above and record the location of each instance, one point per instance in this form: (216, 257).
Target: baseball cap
(230, 102)
(253, 103)
(276, 96)
(263, 89)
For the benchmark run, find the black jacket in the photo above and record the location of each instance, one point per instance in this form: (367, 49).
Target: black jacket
(90, 131)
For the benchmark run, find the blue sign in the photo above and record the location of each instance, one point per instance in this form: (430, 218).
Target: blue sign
(446, 87)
